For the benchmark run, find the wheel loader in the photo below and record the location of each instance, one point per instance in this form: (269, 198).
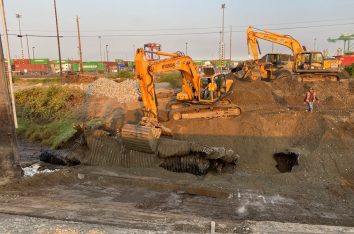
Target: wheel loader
(306, 66)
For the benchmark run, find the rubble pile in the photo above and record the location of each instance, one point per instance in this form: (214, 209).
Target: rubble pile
(123, 92)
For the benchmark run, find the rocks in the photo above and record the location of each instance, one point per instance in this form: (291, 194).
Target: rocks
(123, 92)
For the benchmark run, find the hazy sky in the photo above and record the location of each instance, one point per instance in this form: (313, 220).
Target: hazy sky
(136, 22)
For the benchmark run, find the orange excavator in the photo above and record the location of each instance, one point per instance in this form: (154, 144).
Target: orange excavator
(306, 65)
(200, 97)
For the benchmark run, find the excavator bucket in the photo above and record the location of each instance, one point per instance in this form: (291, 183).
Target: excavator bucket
(141, 138)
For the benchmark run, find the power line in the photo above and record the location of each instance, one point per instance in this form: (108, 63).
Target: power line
(192, 28)
(181, 33)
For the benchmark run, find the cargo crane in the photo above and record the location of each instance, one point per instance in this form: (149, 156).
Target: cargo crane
(347, 40)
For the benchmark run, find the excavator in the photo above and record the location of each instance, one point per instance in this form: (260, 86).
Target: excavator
(306, 65)
(200, 97)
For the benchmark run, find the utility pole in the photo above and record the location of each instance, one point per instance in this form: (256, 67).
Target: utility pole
(58, 39)
(222, 36)
(314, 43)
(9, 71)
(220, 51)
(100, 38)
(186, 48)
(18, 16)
(230, 42)
(9, 166)
(28, 50)
(107, 53)
(79, 39)
(33, 52)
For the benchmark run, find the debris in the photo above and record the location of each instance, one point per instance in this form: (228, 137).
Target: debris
(123, 92)
(35, 169)
(212, 227)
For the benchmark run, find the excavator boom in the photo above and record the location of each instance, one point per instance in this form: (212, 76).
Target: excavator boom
(287, 41)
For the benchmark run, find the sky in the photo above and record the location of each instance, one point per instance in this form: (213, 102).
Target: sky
(125, 25)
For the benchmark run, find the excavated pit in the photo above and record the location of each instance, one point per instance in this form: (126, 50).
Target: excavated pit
(286, 161)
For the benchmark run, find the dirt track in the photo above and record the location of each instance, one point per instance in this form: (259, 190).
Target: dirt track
(320, 190)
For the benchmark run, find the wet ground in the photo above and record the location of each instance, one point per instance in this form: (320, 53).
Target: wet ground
(158, 200)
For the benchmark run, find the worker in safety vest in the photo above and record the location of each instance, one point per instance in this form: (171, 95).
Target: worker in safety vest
(210, 88)
(310, 99)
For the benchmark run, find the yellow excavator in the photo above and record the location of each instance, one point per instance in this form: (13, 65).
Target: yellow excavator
(306, 65)
(200, 97)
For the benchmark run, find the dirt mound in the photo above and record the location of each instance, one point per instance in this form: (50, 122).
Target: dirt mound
(290, 94)
(274, 120)
(123, 92)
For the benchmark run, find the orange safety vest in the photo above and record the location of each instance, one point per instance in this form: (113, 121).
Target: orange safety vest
(310, 97)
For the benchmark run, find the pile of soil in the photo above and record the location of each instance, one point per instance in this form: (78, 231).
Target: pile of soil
(274, 120)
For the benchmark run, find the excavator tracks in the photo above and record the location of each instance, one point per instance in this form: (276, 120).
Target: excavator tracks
(205, 112)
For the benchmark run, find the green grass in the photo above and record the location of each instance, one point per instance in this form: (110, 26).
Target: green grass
(46, 104)
(173, 78)
(54, 134)
(34, 81)
(350, 70)
(122, 74)
(46, 115)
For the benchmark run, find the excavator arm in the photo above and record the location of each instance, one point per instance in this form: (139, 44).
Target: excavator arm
(285, 40)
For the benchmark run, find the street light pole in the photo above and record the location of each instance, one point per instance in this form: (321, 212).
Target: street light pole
(186, 48)
(230, 42)
(314, 44)
(107, 53)
(79, 39)
(58, 40)
(18, 16)
(100, 38)
(222, 36)
(33, 52)
(28, 50)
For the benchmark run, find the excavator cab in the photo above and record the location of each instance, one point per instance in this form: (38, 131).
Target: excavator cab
(214, 88)
(310, 61)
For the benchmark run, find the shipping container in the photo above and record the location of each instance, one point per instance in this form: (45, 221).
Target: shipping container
(121, 65)
(94, 67)
(21, 61)
(89, 67)
(40, 61)
(346, 60)
(130, 64)
(74, 61)
(31, 68)
(65, 67)
(119, 60)
(63, 61)
(108, 64)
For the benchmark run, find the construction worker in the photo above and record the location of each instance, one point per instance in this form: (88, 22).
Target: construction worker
(310, 99)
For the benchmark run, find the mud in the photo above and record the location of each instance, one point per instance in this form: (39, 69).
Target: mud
(319, 190)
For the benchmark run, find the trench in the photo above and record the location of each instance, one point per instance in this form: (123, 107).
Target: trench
(286, 161)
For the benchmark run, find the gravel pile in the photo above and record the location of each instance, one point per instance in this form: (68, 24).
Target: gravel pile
(123, 92)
